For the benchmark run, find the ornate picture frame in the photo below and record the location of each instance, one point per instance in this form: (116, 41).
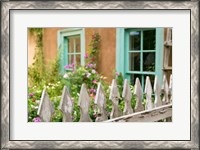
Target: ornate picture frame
(8, 6)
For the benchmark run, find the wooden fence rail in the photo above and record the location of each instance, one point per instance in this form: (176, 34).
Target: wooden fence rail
(160, 109)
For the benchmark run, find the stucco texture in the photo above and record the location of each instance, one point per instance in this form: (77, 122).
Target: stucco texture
(50, 44)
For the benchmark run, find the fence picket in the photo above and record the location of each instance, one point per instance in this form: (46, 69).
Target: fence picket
(84, 104)
(114, 97)
(157, 91)
(138, 92)
(148, 91)
(127, 95)
(45, 110)
(165, 89)
(66, 105)
(159, 112)
(100, 101)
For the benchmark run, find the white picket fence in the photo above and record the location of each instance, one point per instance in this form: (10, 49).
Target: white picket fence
(159, 110)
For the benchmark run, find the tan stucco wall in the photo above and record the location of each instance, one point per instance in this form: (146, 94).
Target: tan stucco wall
(50, 43)
(31, 48)
(107, 53)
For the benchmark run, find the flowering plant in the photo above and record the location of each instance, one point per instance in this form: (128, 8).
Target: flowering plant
(85, 74)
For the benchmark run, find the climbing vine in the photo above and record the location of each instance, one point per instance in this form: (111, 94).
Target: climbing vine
(36, 70)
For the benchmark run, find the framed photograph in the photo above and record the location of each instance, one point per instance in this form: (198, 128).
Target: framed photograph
(100, 74)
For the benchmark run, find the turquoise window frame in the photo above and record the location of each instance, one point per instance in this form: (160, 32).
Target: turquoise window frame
(63, 47)
(122, 60)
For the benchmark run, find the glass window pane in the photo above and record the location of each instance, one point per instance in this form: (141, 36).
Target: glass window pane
(133, 78)
(149, 40)
(135, 40)
(78, 59)
(70, 58)
(134, 61)
(70, 45)
(78, 44)
(149, 61)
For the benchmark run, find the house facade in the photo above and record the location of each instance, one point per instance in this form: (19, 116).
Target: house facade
(135, 52)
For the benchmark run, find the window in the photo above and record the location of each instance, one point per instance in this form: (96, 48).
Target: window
(71, 44)
(73, 48)
(142, 53)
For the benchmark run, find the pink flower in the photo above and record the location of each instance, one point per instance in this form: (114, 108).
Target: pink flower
(117, 74)
(69, 66)
(37, 119)
(94, 81)
(66, 67)
(86, 55)
(31, 94)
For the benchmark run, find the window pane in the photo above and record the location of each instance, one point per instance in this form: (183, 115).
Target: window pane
(135, 40)
(78, 44)
(149, 40)
(78, 59)
(70, 59)
(70, 45)
(149, 62)
(134, 61)
(133, 78)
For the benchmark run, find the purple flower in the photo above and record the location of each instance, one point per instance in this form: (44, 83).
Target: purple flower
(117, 74)
(90, 65)
(37, 119)
(31, 94)
(92, 90)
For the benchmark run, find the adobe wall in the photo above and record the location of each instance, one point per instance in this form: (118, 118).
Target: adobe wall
(50, 43)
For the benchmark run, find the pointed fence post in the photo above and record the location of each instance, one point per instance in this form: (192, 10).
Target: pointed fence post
(170, 88)
(157, 91)
(148, 91)
(84, 104)
(45, 110)
(100, 101)
(114, 97)
(66, 105)
(138, 92)
(127, 95)
(165, 89)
